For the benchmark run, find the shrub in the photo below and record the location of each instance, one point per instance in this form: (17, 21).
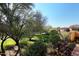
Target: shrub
(23, 42)
(71, 46)
(37, 49)
(45, 38)
(54, 37)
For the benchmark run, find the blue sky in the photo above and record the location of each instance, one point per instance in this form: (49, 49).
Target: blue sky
(59, 14)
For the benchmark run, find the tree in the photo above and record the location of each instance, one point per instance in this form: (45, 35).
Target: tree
(40, 21)
(48, 28)
(35, 24)
(15, 16)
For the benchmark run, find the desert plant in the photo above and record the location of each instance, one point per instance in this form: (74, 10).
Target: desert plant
(54, 37)
(37, 49)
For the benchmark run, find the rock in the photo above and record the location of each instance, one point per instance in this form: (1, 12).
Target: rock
(75, 51)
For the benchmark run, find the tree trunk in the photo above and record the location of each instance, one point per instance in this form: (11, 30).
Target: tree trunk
(17, 44)
(18, 51)
(2, 48)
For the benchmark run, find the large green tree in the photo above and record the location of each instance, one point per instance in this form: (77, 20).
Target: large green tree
(35, 24)
(14, 15)
(18, 19)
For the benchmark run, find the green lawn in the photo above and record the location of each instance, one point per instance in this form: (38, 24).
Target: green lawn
(9, 42)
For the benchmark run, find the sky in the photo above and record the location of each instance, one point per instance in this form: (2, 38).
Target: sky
(59, 14)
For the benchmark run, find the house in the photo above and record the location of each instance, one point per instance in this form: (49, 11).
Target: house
(64, 29)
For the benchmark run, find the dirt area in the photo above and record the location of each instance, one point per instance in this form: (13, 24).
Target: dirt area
(11, 51)
(75, 51)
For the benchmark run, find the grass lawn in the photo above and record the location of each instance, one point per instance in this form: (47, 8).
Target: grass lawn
(9, 42)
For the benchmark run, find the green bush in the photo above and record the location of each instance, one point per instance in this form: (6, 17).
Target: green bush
(23, 42)
(71, 46)
(37, 49)
(45, 38)
(54, 37)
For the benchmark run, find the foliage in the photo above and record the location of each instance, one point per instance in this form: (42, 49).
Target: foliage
(35, 24)
(23, 42)
(71, 46)
(26, 42)
(9, 42)
(64, 34)
(19, 20)
(37, 49)
(14, 16)
(54, 37)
